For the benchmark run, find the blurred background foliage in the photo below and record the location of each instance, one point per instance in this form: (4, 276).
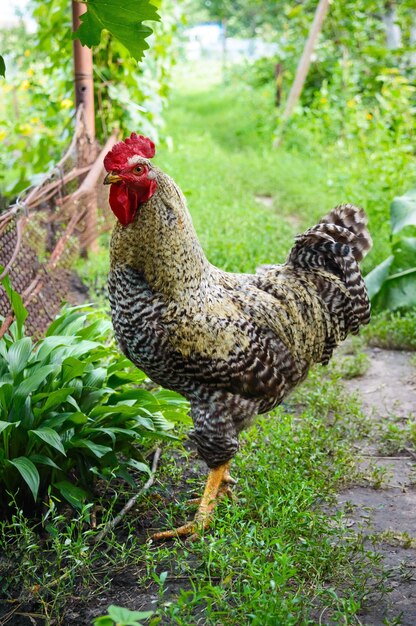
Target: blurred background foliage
(37, 101)
(355, 119)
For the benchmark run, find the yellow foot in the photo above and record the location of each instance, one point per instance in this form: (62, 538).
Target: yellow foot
(217, 487)
(187, 529)
(228, 478)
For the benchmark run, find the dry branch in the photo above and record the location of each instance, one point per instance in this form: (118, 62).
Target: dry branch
(111, 525)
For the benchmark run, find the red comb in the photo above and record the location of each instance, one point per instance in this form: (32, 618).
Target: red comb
(134, 145)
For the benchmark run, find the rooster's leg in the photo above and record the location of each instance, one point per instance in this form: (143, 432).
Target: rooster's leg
(202, 519)
(227, 478)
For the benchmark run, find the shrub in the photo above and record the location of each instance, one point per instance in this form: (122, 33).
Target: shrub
(392, 284)
(71, 410)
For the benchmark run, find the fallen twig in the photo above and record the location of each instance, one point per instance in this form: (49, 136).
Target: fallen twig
(411, 452)
(132, 500)
(387, 457)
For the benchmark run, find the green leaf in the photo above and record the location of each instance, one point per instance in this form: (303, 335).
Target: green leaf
(404, 251)
(96, 448)
(403, 211)
(36, 380)
(96, 377)
(77, 418)
(50, 437)
(2, 67)
(72, 494)
(56, 398)
(81, 348)
(99, 328)
(47, 345)
(16, 303)
(125, 617)
(28, 472)
(41, 459)
(124, 20)
(18, 355)
(72, 368)
(141, 467)
(6, 395)
(103, 621)
(375, 279)
(398, 291)
(4, 425)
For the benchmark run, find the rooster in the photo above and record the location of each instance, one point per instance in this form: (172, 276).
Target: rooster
(233, 344)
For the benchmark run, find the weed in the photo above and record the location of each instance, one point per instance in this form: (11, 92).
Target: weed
(393, 331)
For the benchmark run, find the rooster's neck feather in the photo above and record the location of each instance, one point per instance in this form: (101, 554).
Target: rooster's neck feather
(161, 242)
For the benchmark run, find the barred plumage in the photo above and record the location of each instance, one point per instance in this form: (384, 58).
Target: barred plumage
(233, 344)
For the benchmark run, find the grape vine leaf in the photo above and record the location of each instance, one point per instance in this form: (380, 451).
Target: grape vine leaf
(123, 18)
(2, 66)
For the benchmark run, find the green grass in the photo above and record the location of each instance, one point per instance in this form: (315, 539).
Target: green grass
(279, 556)
(393, 330)
(221, 155)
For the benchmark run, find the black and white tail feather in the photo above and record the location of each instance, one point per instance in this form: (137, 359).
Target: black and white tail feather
(336, 244)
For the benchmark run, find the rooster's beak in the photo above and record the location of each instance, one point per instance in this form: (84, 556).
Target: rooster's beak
(111, 178)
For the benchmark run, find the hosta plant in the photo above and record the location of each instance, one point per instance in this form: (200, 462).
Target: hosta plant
(72, 410)
(392, 284)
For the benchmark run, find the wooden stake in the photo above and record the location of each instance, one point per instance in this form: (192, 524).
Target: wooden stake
(304, 62)
(83, 74)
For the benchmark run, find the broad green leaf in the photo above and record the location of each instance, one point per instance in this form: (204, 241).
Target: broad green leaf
(404, 251)
(403, 211)
(117, 409)
(18, 355)
(103, 621)
(139, 395)
(41, 459)
(50, 437)
(125, 617)
(171, 397)
(81, 348)
(36, 380)
(16, 303)
(77, 418)
(72, 368)
(59, 325)
(96, 448)
(74, 495)
(29, 473)
(141, 467)
(96, 377)
(4, 425)
(375, 279)
(49, 344)
(99, 328)
(399, 290)
(161, 422)
(6, 395)
(56, 398)
(2, 67)
(120, 378)
(124, 20)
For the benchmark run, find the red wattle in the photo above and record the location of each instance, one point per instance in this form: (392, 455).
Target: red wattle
(124, 203)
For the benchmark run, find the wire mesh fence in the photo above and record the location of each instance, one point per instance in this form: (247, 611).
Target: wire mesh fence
(50, 224)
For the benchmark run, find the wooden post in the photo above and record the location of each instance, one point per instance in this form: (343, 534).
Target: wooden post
(84, 95)
(83, 74)
(304, 62)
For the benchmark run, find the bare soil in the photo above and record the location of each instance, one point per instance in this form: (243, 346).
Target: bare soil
(387, 514)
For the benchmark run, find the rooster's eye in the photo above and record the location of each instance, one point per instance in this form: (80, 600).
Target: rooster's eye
(138, 169)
